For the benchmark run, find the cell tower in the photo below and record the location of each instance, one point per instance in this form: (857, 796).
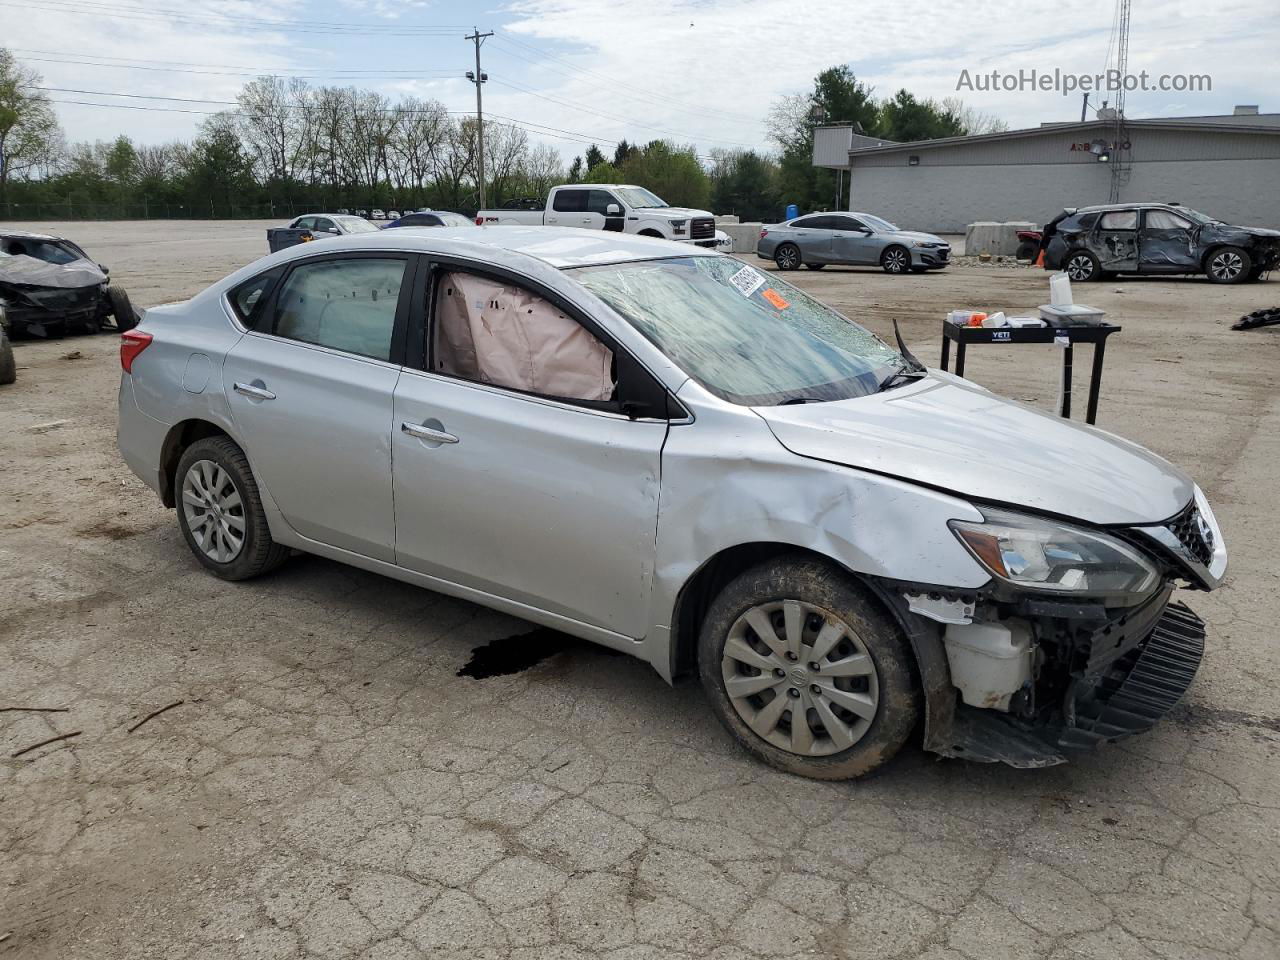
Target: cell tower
(1121, 161)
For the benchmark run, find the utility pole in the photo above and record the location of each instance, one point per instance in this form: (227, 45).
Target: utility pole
(478, 77)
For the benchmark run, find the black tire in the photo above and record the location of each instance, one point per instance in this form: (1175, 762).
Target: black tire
(258, 553)
(1027, 250)
(1228, 265)
(895, 259)
(787, 257)
(815, 266)
(826, 588)
(121, 309)
(1082, 267)
(8, 367)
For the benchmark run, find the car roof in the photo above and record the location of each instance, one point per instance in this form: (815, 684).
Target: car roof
(559, 247)
(1145, 205)
(25, 235)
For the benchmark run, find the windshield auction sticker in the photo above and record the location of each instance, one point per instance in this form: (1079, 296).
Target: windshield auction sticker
(774, 297)
(747, 281)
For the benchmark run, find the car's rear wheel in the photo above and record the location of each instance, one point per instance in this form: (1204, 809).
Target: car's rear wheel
(787, 257)
(1082, 266)
(121, 309)
(895, 260)
(220, 511)
(1027, 250)
(1228, 265)
(8, 367)
(806, 671)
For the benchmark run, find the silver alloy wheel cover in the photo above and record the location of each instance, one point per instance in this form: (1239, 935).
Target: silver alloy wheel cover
(770, 678)
(1079, 267)
(788, 257)
(1226, 265)
(896, 261)
(214, 511)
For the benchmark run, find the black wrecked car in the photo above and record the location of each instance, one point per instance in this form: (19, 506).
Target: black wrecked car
(1093, 243)
(49, 287)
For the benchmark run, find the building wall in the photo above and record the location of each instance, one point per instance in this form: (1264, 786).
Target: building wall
(1230, 176)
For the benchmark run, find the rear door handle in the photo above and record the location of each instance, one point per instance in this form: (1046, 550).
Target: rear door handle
(255, 392)
(425, 432)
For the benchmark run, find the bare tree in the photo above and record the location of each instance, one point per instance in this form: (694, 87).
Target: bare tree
(506, 147)
(543, 169)
(972, 120)
(30, 137)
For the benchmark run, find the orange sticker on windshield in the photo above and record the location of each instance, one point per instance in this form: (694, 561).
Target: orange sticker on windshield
(775, 298)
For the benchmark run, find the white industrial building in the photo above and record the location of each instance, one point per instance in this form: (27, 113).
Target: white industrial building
(1224, 166)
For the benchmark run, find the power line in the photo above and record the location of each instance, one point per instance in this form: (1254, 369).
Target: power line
(262, 72)
(256, 70)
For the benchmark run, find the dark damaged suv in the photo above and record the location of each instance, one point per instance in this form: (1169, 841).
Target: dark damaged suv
(1092, 243)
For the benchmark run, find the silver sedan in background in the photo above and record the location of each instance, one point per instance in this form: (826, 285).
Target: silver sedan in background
(861, 239)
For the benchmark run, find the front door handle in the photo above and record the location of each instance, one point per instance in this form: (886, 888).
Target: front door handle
(427, 432)
(254, 392)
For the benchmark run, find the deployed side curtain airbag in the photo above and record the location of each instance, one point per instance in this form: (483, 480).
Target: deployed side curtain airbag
(500, 334)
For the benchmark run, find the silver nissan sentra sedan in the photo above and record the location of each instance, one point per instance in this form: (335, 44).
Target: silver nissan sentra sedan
(665, 451)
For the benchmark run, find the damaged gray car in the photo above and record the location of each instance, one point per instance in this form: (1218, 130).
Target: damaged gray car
(49, 287)
(1093, 243)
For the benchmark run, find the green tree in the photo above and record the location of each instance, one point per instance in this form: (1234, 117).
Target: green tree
(671, 171)
(29, 132)
(575, 170)
(220, 173)
(905, 118)
(621, 152)
(594, 157)
(746, 184)
(603, 172)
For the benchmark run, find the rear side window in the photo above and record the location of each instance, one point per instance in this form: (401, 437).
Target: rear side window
(571, 201)
(1120, 220)
(248, 298)
(812, 223)
(348, 305)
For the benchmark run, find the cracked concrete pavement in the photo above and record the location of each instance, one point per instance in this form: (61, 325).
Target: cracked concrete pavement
(330, 788)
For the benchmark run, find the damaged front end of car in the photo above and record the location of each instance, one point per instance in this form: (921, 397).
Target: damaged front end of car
(1075, 641)
(42, 311)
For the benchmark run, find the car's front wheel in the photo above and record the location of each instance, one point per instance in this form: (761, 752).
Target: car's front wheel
(1228, 265)
(121, 309)
(895, 260)
(220, 511)
(1082, 266)
(806, 671)
(787, 257)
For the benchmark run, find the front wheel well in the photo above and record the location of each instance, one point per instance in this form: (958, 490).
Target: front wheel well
(650, 232)
(180, 436)
(709, 579)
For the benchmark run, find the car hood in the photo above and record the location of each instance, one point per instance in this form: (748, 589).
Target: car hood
(955, 436)
(672, 213)
(916, 235)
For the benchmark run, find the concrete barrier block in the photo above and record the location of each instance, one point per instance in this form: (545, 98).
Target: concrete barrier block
(744, 235)
(997, 239)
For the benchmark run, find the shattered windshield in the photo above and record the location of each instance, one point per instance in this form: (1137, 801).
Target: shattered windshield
(56, 252)
(639, 197)
(746, 337)
(356, 225)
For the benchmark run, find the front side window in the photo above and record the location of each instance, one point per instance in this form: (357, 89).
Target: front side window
(492, 331)
(744, 335)
(879, 225)
(570, 201)
(348, 305)
(598, 201)
(1164, 220)
(304, 223)
(1119, 220)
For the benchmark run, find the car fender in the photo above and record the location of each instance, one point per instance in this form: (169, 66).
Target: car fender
(649, 223)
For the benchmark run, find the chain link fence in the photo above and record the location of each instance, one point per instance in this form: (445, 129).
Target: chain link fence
(163, 210)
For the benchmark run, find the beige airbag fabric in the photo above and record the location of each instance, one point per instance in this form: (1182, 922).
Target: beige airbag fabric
(495, 333)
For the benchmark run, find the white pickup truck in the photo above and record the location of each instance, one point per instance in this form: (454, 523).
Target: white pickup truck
(608, 206)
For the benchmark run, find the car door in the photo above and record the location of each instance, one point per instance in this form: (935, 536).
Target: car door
(311, 388)
(514, 488)
(1168, 243)
(568, 207)
(606, 212)
(1116, 240)
(813, 236)
(853, 242)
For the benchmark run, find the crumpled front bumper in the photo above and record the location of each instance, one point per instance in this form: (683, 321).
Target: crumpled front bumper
(1128, 675)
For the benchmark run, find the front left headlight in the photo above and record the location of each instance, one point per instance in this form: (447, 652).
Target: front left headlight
(1040, 554)
(923, 243)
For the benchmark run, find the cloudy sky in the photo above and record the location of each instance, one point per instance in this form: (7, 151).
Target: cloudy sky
(701, 71)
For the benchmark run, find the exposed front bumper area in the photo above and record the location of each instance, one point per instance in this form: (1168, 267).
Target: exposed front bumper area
(1098, 679)
(935, 258)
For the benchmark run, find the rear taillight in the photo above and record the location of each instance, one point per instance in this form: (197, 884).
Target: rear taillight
(763, 233)
(479, 221)
(132, 343)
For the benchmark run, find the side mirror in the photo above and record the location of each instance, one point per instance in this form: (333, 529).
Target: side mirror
(106, 270)
(613, 210)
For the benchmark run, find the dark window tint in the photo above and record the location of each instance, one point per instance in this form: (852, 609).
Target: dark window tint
(570, 201)
(247, 298)
(304, 223)
(598, 201)
(324, 223)
(348, 305)
(845, 223)
(1120, 220)
(813, 223)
